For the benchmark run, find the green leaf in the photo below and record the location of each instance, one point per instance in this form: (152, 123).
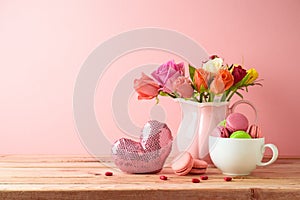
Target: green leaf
(242, 82)
(164, 94)
(239, 94)
(192, 72)
(161, 93)
(202, 89)
(176, 94)
(157, 100)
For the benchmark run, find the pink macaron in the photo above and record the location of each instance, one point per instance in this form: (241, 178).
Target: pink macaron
(221, 131)
(236, 122)
(183, 164)
(255, 131)
(224, 133)
(199, 167)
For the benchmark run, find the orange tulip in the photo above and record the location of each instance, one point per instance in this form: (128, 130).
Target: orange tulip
(200, 79)
(223, 81)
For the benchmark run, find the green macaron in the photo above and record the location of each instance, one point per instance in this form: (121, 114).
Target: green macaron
(240, 134)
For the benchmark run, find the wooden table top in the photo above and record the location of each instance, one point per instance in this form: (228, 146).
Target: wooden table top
(82, 177)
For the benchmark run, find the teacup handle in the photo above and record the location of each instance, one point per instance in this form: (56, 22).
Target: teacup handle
(235, 104)
(274, 156)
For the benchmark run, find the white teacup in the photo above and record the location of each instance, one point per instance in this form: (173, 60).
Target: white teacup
(237, 157)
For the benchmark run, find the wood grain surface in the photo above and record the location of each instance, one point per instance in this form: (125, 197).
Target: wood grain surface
(82, 177)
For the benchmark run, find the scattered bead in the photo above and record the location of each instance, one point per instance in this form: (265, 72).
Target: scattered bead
(196, 180)
(108, 173)
(227, 178)
(163, 178)
(203, 177)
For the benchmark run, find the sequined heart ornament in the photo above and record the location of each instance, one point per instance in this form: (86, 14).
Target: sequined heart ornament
(149, 154)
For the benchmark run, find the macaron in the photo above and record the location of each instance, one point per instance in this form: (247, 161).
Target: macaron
(255, 131)
(237, 122)
(199, 167)
(220, 131)
(240, 134)
(224, 132)
(216, 132)
(183, 163)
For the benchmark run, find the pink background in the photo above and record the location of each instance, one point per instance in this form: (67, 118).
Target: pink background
(44, 43)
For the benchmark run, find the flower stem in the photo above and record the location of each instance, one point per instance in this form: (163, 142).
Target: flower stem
(201, 98)
(225, 94)
(231, 95)
(211, 97)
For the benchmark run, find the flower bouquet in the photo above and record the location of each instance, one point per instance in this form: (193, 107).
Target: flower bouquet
(204, 96)
(213, 82)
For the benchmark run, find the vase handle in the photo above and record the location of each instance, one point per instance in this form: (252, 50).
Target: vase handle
(235, 104)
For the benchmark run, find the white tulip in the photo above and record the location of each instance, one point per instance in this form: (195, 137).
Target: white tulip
(214, 65)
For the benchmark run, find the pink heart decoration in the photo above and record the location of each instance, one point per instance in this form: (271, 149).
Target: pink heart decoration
(149, 154)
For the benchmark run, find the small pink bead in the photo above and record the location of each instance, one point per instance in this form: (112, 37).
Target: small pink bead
(108, 173)
(227, 178)
(196, 180)
(203, 177)
(163, 178)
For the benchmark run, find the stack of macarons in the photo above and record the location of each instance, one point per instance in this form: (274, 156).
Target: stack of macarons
(236, 125)
(185, 164)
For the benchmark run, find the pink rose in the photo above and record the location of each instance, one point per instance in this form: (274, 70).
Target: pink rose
(182, 85)
(167, 73)
(146, 87)
(238, 74)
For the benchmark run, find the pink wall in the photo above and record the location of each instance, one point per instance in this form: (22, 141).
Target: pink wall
(44, 43)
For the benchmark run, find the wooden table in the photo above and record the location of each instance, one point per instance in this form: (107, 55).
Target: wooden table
(82, 177)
